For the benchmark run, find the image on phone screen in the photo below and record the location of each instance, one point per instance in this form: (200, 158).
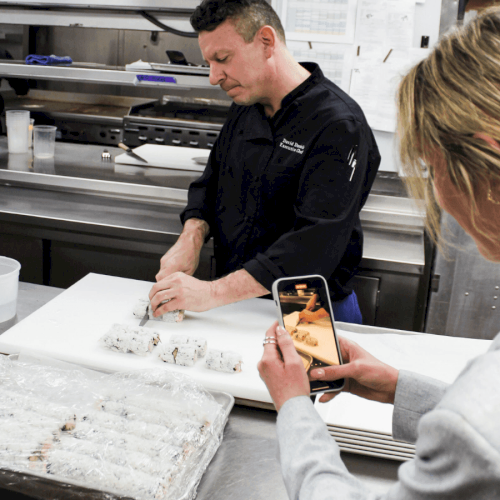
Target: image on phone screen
(306, 312)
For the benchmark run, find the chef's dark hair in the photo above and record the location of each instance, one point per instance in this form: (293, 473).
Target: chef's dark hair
(248, 17)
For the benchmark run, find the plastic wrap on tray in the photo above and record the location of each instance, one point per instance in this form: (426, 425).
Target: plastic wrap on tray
(144, 434)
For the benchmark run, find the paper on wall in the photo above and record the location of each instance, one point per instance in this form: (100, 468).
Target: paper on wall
(375, 77)
(335, 60)
(385, 23)
(319, 20)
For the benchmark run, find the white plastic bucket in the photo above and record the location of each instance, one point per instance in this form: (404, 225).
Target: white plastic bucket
(9, 284)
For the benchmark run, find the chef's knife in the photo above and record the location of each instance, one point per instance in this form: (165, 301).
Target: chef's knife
(130, 152)
(145, 318)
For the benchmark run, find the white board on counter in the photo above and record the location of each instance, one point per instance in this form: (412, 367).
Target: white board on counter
(68, 328)
(173, 157)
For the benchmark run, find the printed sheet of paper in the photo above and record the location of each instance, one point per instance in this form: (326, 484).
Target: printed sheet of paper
(335, 60)
(319, 20)
(385, 23)
(374, 82)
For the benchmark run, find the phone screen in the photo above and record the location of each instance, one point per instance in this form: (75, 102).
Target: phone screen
(305, 308)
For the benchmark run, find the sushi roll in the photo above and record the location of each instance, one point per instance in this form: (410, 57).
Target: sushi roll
(175, 316)
(213, 359)
(178, 354)
(167, 352)
(123, 338)
(313, 341)
(200, 343)
(141, 308)
(223, 361)
(179, 339)
(186, 355)
(301, 335)
(231, 362)
(138, 330)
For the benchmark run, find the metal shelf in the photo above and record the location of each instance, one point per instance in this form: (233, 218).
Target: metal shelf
(103, 75)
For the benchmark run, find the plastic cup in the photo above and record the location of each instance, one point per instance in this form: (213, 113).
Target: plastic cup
(44, 141)
(18, 122)
(9, 284)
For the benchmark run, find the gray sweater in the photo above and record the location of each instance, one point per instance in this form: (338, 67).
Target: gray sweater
(456, 429)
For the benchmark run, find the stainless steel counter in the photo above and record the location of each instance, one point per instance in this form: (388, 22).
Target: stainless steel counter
(245, 465)
(158, 196)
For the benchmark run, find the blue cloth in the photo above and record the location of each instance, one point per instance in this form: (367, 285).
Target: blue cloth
(156, 78)
(49, 60)
(347, 310)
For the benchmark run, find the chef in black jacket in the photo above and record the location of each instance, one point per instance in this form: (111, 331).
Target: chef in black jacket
(286, 178)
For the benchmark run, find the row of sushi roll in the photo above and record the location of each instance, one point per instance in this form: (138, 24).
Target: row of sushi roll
(178, 435)
(184, 350)
(188, 414)
(24, 405)
(176, 429)
(180, 350)
(126, 435)
(103, 475)
(117, 447)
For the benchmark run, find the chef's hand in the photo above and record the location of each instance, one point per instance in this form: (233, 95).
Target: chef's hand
(182, 292)
(184, 256)
(365, 375)
(307, 316)
(283, 372)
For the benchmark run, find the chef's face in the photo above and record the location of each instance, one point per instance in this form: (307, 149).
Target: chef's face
(238, 67)
(486, 219)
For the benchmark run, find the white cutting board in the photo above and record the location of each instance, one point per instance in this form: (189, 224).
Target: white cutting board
(173, 157)
(436, 356)
(69, 327)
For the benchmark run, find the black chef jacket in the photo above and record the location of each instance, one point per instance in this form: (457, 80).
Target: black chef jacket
(282, 195)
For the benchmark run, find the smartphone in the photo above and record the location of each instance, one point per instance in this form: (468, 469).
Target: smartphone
(305, 311)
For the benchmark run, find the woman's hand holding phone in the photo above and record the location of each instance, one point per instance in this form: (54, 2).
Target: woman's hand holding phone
(364, 375)
(283, 372)
(282, 369)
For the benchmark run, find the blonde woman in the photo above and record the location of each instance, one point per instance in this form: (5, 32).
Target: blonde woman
(449, 130)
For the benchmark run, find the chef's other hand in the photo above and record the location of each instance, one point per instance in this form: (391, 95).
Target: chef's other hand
(184, 256)
(364, 375)
(181, 292)
(283, 372)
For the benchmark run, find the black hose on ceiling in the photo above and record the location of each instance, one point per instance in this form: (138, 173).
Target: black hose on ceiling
(164, 27)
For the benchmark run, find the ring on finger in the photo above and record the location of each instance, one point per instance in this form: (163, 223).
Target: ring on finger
(269, 338)
(269, 342)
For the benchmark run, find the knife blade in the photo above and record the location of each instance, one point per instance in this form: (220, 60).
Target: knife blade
(130, 152)
(144, 319)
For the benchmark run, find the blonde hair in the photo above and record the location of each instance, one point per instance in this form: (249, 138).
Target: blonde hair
(442, 103)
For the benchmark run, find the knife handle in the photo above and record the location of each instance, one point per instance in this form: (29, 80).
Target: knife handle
(124, 147)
